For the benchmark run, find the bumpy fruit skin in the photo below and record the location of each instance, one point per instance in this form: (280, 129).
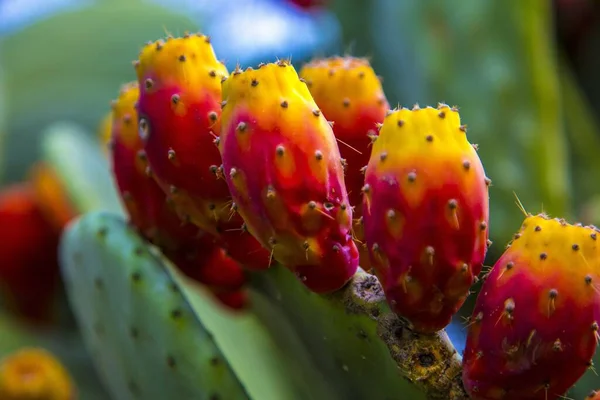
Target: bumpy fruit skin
(29, 271)
(179, 111)
(34, 374)
(194, 252)
(284, 171)
(425, 212)
(594, 395)
(52, 198)
(349, 94)
(534, 328)
(224, 274)
(144, 200)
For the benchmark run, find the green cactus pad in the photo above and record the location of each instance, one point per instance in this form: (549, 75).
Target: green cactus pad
(138, 324)
(351, 335)
(144, 337)
(77, 157)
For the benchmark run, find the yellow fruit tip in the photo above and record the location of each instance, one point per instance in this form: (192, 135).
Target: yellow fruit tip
(335, 63)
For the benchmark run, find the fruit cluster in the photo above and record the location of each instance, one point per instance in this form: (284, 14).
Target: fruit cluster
(233, 171)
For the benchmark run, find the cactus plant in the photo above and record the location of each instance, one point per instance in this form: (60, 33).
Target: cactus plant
(357, 317)
(316, 331)
(320, 337)
(128, 286)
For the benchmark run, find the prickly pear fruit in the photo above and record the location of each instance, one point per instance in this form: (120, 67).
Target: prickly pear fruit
(34, 374)
(594, 395)
(179, 111)
(349, 93)
(51, 194)
(29, 271)
(283, 168)
(534, 328)
(144, 200)
(194, 252)
(210, 265)
(425, 212)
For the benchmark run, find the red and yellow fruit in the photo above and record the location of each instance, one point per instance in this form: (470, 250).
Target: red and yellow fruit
(594, 395)
(425, 212)
(193, 251)
(284, 171)
(179, 119)
(35, 374)
(145, 202)
(29, 271)
(534, 329)
(349, 94)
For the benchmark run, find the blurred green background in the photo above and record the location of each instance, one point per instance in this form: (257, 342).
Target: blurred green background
(524, 74)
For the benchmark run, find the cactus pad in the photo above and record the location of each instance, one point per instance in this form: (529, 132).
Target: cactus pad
(134, 314)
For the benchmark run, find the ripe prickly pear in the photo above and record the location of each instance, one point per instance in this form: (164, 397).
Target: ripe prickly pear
(594, 395)
(534, 328)
(179, 111)
(349, 93)
(284, 171)
(194, 252)
(425, 212)
(29, 271)
(145, 202)
(34, 374)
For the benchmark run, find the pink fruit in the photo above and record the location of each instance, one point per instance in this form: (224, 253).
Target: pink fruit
(284, 171)
(179, 110)
(534, 329)
(425, 212)
(349, 94)
(194, 252)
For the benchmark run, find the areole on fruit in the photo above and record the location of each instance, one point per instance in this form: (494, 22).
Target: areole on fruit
(349, 93)
(179, 123)
(283, 168)
(534, 329)
(425, 214)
